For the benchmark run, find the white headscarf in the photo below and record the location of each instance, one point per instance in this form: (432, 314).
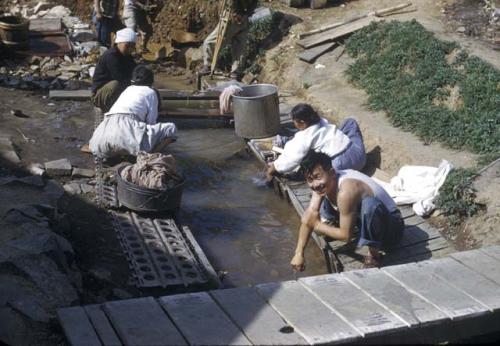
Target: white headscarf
(125, 35)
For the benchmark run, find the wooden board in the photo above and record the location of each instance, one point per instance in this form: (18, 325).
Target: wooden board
(260, 323)
(142, 321)
(317, 323)
(311, 54)
(493, 251)
(202, 258)
(201, 320)
(410, 307)
(336, 33)
(45, 24)
(481, 263)
(101, 325)
(425, 282)
(166, 94)
(465, 279)
(77, 327)
(358, 309)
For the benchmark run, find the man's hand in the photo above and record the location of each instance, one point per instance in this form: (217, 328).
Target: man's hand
(298, 262)
(238, 18)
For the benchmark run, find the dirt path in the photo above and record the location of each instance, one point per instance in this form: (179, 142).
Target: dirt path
(328, 89)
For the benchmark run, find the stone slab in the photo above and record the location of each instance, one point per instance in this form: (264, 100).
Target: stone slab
(77, 327)
(480, 262)
(58, 167)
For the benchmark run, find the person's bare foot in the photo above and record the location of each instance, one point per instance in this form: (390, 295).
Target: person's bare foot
(85, 149)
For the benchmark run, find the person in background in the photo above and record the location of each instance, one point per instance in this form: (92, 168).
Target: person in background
(131, 125)
(135, 17)
(359, 201)
(344, 145)
(114, 70)
(106, 20)
(236, 34)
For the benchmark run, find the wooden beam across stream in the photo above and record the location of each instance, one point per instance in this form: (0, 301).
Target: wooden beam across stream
(436, 301)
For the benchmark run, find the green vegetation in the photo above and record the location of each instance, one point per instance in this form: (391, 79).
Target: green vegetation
(428, 86)
(457, 196)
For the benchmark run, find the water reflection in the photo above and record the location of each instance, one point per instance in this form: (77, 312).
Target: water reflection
(244, 228)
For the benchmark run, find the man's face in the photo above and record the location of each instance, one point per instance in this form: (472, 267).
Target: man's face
(321, 181)
(299, 124)
(126, 48)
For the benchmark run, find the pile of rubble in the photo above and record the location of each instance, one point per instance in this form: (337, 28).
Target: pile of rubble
(71, 72)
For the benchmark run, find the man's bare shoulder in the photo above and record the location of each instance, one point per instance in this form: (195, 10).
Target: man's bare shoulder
(349, 193)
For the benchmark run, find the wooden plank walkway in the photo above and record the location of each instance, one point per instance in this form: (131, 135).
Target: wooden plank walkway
(420, 240)
(432, 301)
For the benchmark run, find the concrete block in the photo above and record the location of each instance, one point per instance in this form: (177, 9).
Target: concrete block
(73, 188)
(58, 167)
(83, 173)
(314, 4)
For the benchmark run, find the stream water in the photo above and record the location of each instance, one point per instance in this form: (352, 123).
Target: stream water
(245, 229)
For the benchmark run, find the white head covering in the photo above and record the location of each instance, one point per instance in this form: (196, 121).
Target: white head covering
(125, 35)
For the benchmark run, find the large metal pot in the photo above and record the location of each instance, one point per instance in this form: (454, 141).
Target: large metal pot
(256, 111)
(14, 32)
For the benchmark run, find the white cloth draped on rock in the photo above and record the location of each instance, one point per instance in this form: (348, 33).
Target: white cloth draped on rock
(417, 185)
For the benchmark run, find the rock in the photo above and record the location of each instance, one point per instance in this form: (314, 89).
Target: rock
(461, 29)
(84, 36)
(67, 76)
(87, 47)
(68, 59)
(36, 169)
(72, 188)
(314, 4)
(58, 12)
(58, 167)
(57, 85)
(3, 70)
(194, 57)
(101, 274)
(121, 294)
(72, 85)
(260, 14)
(10, 156)
(83, 173)
(53, 73)
(91, 71)
(86, 188)
(70, 22)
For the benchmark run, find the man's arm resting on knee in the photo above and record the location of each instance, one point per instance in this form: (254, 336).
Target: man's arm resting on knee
(347, 219)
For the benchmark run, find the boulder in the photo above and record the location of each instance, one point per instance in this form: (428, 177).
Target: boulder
(58, 12)
(58, 167)
(83, 173)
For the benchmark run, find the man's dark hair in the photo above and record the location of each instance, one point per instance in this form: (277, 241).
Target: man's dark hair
(312, 159)
(142, 75)
(306, 113)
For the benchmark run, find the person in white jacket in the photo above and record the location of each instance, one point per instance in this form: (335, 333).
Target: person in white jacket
(131, 124)
(343, 145)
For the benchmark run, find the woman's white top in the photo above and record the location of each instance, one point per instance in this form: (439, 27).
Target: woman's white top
(141, 101)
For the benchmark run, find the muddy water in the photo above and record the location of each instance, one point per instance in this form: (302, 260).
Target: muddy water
(243, 227)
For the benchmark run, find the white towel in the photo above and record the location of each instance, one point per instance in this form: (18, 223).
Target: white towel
(417, 185)
(225, 97)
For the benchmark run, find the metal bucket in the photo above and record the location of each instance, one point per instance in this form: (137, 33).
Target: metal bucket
(256, 111)
(140, 198)
(14, 32)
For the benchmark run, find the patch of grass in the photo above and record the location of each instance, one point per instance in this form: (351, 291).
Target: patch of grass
(409, 74)
(457, 196)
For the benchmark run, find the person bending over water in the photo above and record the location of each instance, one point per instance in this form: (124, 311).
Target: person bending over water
(131, 124)
(343, 145)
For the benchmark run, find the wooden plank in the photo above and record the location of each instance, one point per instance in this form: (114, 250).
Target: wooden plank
(166, 94)
(481, 263)
(423, 280)
(142, 321)
(77, 95)
(317, 323)
(410, 307)
(102, 325)
(358, 309)
(406, 211)
(413, 220)
(336, 33)
(45, 24)
(202, 258)
(467, 280)
(201, 320)
(310, 55)
(260, 323)
(493, 251)
(194, 113)
(77, 327)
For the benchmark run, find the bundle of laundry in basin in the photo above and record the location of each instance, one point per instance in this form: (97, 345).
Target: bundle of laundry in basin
(154, 171)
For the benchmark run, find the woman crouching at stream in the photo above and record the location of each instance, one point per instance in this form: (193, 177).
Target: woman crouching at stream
(131, 124)
(344, 145)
